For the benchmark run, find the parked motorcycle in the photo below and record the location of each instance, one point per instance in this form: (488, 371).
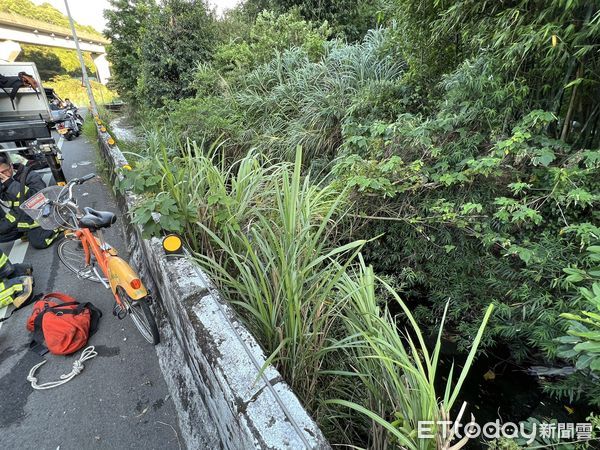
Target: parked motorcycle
(78, 118)
(70, 127)
(76, 112)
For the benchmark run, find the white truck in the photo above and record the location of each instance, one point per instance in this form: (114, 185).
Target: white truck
(26, 120)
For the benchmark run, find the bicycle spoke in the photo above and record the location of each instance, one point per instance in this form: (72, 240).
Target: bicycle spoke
(72, 256)
(141, 316)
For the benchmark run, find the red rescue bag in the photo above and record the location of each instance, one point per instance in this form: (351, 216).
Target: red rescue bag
(65, 327)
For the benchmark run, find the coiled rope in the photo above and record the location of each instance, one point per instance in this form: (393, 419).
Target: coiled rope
(78, 366)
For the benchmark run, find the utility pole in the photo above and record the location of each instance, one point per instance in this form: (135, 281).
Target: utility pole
(86, 80)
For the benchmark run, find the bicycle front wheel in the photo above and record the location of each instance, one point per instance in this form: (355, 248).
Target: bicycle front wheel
(71, 254)
(141, 315)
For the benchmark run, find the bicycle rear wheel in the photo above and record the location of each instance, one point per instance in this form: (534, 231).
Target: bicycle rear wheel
(141, 315)
(70, 253)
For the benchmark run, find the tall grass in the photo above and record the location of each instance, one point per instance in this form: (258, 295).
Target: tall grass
(269, 237)
(292, 101)
(282, 272)
(89, 129)
(206, 190)
(397, 372)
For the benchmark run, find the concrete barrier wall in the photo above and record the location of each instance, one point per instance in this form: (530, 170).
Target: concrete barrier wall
(209, 358)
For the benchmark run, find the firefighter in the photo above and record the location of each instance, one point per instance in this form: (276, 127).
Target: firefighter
(16, 282)
(17, 184)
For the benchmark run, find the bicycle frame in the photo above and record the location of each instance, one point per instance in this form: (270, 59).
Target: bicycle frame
(57, 208)
(118, 272)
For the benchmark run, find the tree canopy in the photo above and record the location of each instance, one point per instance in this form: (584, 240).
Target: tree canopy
(465, 137)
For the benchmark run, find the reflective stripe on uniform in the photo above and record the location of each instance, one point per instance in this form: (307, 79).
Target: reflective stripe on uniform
(6, 293)
(27, 226)
(3, 260)
(16, 203)
(50, 239)
(10, 217)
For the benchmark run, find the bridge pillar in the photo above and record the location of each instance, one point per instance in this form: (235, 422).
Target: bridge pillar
(102, 67)
(9, 50)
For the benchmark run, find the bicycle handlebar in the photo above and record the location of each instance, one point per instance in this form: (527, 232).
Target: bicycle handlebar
(84, 178)
(69, 187)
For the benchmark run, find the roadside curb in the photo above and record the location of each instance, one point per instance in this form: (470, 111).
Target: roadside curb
(210, 360)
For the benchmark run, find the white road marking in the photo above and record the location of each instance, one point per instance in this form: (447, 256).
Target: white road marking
(60, 143)
(17, 253)
(16, 256)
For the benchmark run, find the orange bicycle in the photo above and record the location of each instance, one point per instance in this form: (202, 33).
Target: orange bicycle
(85, 252)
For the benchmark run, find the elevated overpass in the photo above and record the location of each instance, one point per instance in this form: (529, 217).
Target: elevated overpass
(30, 31)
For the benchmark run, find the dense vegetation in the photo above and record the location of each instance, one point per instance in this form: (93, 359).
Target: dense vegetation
(450, 148)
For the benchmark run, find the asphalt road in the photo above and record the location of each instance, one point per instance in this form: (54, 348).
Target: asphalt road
(120, 400)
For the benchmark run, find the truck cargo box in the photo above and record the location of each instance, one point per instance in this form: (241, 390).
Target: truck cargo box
(29, 117)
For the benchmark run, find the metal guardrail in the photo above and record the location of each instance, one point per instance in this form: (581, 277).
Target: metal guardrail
(34, 24)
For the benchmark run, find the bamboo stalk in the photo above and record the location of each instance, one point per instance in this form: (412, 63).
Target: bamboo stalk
(570, 111)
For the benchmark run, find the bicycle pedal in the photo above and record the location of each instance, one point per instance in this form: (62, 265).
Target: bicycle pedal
(119, 312)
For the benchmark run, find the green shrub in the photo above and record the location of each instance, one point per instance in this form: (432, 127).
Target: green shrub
(268, 236)
(174, 39)
(581, 344)
(293, 101)
(212, 118)
(481, 204)
(464, 137)
(269, 35)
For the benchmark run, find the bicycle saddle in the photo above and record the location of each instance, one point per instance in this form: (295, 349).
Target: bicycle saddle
(97, 219)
